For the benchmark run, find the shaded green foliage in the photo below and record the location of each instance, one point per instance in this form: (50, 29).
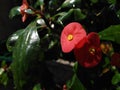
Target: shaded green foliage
(111, 33)
(27, 43)
(14, 11)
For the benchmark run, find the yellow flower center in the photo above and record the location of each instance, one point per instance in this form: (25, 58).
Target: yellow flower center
(92, 51)
(70, 37)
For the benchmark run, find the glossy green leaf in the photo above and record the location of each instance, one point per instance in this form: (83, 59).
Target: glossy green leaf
(14, 11)
(69, 3)
(12, 40)
(25, 54)
(78, 15)
(75, 84)
(111, 33)
(1, 71)
(37, 87)
(116, 79)
(29, 11)
(58, 15)
(65, 16)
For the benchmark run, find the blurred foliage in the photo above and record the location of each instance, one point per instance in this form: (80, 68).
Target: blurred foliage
(112, 33)
(40, 42)
(37, 87)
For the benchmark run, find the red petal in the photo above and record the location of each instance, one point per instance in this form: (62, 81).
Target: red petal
(85, 59)
(84, 56)
(115, 60)
(23, 7)
(24, 1)
(93, 39)
(24, 17)
(81, 43)
(78, 33)
(81, 54)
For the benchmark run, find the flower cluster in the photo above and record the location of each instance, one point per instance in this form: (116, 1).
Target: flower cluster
(86, 47)
(107, 49)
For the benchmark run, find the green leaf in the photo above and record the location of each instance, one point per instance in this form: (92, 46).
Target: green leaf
(94, 1)
(78, 15)
(58, 15)
(53, 5)
(39, 3)
(5, 59)
(118, 88)
(1, 71)
(12, 40)
(75, 84)
(29, 11)
(65, 16)
(69, 4)
(4, 79)
(107, 62)
(75, 66)
(111, 1)
(48, 42)
(111, 33)
(25, 54)
(116, 79)
(14, 11)
(37, 87)
(118, 14)
(3, 63)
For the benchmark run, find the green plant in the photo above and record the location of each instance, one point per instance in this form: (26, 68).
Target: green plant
(39, 42)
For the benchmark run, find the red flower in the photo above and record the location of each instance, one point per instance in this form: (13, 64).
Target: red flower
(115, 60)
(90, 54)
(65, 87)
(23, 7)
(71, 35)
